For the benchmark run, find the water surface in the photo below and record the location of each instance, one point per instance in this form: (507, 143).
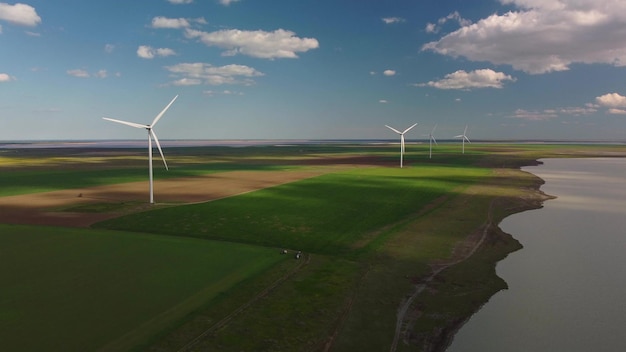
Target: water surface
(567, 286)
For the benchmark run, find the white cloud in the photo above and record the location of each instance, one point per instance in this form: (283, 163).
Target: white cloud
(534, 115)
(227, 2)
(542, 36)
(202, 73)
(616, 111)
(578, 111)
(108, 48)
(454, 16)
(148, 52)
(261, 44)
(383, 101)
(391, 20)
(19, 14)
(224, 92)
(179, 2)
(164, 22)
(389, 72)
(5, 78)
(78, 73)
(101, 74)
(485, 78)
(612, 100)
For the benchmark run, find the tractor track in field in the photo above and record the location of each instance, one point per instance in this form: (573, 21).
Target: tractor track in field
(437, 269)
(227, 319)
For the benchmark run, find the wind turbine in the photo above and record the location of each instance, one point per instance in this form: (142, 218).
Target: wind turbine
(151, 135)
(432, 139)
(401, 139)
(463, 138)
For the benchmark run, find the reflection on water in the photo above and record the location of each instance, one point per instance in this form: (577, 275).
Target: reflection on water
(567, 286)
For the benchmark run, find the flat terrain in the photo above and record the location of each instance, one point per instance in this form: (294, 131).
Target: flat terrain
(393, 259)
(51, 208)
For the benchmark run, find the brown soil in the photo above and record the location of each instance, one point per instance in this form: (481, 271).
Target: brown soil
(47, 208)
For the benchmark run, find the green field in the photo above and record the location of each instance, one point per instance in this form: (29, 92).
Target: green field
(211, 274)
(78, 290)
(328, 214)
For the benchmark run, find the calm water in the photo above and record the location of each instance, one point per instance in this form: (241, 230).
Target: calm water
(567, 286)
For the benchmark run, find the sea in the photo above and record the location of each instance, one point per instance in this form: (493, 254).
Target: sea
(567, 286)
(173, 143)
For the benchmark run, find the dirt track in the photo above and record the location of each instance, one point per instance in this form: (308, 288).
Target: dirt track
(43, 208)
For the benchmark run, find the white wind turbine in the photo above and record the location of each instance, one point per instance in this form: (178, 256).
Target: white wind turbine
(431, 136)
(151, 135)
(401, 140)
(463, 138)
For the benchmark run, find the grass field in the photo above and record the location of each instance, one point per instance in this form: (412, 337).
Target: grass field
(329, 214)
(370, 232)
(77, 290)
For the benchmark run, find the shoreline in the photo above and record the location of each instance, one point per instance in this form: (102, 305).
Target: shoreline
(534, 200)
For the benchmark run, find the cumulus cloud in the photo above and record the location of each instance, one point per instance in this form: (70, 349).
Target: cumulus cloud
(227, 2)
(612, 100)
(180, 2)
(383, 101)
(164, 22)
(202, 73)
(78, 73)
(4, 77)
(108, 48)
(389, 72)
(148, 52)
(391, 20)
(455, 16)
(19, 14)
(485, 78)
(261, 44)
(542, 36)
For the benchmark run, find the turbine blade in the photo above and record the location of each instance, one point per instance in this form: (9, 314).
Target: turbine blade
(465, 131)
(407, 130)
(158, 117)
(132, 124)
(459, 136)
(434, 140)
(433, 131)
(156, 141)
(393, 129)
(467, 139)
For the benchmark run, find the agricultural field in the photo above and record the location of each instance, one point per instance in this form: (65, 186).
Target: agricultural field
(204, 269)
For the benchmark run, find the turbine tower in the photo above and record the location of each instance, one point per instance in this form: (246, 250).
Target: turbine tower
(463, 138)
(151, 135)
(401, 140)
(432, 139)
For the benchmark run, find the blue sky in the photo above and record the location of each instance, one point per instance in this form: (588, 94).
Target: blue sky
(313, 69)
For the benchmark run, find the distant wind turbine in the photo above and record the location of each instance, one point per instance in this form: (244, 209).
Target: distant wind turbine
(432, 139)
(151, 135)
(401, 140)
(463, 138)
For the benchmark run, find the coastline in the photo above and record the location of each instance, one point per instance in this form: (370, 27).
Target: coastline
(530, 197)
